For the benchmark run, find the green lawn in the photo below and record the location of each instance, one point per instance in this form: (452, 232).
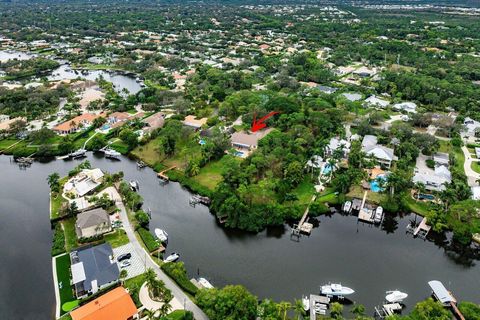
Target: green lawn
(117, 238)
(460, 159)
(419, 207)
(70, 235)
(4, 144)
(304, 191)
(358, 192)
(149, 153)
(445, 146)
(62, 264)
(476, 167)
(176, 315)
(58, 200)
(211, 174)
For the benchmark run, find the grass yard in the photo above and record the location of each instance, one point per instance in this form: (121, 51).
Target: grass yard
(460, 159)
(62, 264)
(419, 207)
(211, 174)
(445, 146)
(117, 238)
(70, 235)
(6, 143)
(375, 197)
(475, 166)
(58, 200)
(149, 153)
(304, 191)
(176, 315)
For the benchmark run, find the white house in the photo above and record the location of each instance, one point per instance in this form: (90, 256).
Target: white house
(383, 155)
(410, 107)
(374, 101)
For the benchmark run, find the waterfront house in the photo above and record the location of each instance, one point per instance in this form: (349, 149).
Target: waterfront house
(93, 269)
(155, 121)
(113, 305)
(192, 122)
(84, 182)
(4, 117)
(470, 128)
(92, 223)
(73, 125)
(383, 155)
(436, 178)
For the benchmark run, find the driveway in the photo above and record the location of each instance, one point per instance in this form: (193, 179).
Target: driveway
(149, 263)
(472, 176)
(136, 266)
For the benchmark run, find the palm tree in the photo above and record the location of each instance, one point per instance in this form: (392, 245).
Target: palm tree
(420, 187)
(52, 181)
(283, 308)
(358, 310)
(299, 309)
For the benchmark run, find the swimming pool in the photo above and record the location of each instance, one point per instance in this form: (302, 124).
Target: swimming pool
(202, 142)
(239, 154)
(327, 169)
(105, 127)
(375, 185)
(424, 196)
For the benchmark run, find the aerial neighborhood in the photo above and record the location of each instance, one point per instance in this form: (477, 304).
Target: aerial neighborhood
(206, 159)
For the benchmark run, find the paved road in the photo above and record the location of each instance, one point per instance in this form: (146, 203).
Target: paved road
(467, 166)
(145, 257)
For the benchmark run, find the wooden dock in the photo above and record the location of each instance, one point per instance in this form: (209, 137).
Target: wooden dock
(321, 300)
(366, 213)
(423, 229)
(302, 226)
(162, 174)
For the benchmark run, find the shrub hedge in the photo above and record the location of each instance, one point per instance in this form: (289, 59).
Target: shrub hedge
(177, 271)
(150, 242)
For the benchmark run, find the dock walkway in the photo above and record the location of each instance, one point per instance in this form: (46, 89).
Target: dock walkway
(162, 174)
(303, 226)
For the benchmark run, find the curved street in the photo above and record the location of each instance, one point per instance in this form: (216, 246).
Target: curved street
(472, 176)
(149, 263)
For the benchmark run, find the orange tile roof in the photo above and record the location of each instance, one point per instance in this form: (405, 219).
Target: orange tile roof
(68, 125)
(113, 305)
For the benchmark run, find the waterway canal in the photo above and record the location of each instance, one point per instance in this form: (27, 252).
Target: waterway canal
(368, 259)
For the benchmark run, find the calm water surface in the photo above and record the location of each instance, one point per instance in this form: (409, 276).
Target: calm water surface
(370, 260)
(118, 80)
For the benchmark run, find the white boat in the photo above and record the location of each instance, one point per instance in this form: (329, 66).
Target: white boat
(335, 290)
(110, 153)
(172, 258)
(306, 303)
(395, 296)
(378, 214)
(205, 283)
(347, 206)
(134, 185)
(162, 235)
(78, 154)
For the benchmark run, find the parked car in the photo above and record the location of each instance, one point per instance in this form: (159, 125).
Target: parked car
(124, 256)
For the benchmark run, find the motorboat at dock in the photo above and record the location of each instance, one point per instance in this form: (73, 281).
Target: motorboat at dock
(378, 215)
(162, 235)
(395, 296)
(335, 290)
(172, 258)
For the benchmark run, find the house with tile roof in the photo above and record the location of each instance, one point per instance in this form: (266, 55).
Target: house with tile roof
(113, 305)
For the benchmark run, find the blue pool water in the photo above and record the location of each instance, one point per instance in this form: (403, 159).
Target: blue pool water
(426, 196)
(105, 127)
(239, 153)
(327, 169)
(202, 142)
(375, 184)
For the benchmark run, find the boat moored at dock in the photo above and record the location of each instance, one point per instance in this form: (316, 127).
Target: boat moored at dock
(347, 206)
(378, 215)
(172, 258)
(162, 235)
(395, 296)
(335, 290)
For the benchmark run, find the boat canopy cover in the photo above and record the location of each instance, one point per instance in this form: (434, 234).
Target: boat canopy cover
(440, 292)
